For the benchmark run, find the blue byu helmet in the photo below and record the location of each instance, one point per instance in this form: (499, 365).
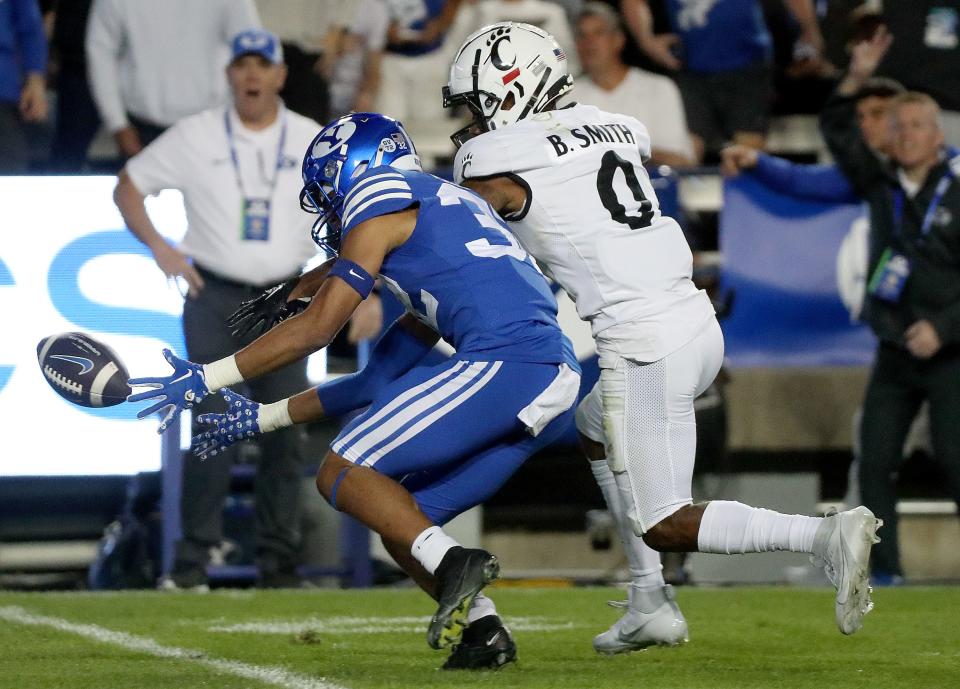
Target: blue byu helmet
(338, 155)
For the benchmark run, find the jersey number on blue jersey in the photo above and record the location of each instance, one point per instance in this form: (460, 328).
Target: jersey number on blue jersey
(482, 248)
(485, 215)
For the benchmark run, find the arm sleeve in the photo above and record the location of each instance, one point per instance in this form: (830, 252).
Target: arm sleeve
(162, 164)
(839, 128)
(104, 45)
(28, 25)
(813, 182)
(396, 352)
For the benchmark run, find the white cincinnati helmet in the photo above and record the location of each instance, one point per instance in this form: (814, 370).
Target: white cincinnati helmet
(505, 72)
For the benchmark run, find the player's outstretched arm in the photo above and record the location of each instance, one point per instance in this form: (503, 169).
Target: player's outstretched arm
(245, 419)
(404, 344)
(294, 339)
(350, 280)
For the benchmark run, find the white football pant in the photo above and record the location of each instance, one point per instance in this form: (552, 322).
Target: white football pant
(643, 414)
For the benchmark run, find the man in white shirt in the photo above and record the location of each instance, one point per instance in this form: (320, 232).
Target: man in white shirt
(238, 167)
(153, 63)
(611, 85)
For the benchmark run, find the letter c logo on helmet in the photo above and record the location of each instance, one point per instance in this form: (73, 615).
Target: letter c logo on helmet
(503, 73)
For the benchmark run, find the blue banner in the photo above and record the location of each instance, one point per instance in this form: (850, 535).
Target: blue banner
(780, 257)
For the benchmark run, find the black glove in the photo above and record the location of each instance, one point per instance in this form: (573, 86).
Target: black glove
(260, 314)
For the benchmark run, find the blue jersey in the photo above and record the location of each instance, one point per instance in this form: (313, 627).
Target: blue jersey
(720, 35)
(461, 271)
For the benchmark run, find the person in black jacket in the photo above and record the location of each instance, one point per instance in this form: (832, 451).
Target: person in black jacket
(913, 291)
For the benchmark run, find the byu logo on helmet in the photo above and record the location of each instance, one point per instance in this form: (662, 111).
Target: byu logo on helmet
(332, 138)
(341, 153)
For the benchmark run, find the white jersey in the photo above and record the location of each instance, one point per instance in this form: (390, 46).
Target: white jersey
(593, 222)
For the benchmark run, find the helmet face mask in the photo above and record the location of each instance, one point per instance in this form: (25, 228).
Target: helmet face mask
(320, 198)
(337, 156)
(504, 72)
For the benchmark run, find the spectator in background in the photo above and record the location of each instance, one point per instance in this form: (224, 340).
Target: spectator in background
(926, 54)
(414, 68)
(913, 295)
(353, 55)
(238, 167)
(549, 16)
(828, 183)
(612, 86)
(154, 63)
(23, 82)
(302, 26)
(77, 118)
(721, 52)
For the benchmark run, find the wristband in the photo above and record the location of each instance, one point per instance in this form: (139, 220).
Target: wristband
(274, 415)
(221, 374)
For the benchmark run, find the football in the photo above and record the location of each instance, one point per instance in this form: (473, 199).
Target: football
(83, 370)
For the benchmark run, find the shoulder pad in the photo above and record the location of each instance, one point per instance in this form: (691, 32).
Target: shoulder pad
(483, 156)
(379, 191)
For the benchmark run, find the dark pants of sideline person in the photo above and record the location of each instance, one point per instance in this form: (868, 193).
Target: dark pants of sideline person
(899, 383)
(77, 120)
(14, 149)
(305, 91)
(207, 483)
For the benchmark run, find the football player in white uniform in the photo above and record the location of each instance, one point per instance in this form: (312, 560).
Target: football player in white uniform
(572, 184)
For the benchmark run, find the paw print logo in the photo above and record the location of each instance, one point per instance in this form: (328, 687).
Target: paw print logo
(467, 162)
(503, 56)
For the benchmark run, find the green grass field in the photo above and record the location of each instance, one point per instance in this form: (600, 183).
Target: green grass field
(740, 637)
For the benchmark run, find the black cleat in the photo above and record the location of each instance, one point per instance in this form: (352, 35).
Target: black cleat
(462, 573)
(486, 645)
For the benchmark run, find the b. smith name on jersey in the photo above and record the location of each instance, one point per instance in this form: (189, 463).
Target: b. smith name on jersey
(589, 134)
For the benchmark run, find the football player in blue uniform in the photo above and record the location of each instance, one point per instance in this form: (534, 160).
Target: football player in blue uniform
(434, 440)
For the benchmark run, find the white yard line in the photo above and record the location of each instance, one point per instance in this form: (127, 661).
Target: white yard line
(372, 625)
(275, 676)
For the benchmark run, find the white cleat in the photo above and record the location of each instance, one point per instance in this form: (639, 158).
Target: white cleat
(842, 547)
(653, 618)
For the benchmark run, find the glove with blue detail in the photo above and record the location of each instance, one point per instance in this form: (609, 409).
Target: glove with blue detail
(239, 422)
(181, 390)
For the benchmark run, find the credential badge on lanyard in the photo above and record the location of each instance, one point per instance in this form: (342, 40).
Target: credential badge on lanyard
(890, 276)
(255, 212)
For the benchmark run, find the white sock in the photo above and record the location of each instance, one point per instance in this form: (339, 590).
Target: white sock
(732, 527)
(482, 607)
(643, 561)
(430, 547)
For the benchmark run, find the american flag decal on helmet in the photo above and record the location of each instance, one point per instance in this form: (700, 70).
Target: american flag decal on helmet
(559, 54)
